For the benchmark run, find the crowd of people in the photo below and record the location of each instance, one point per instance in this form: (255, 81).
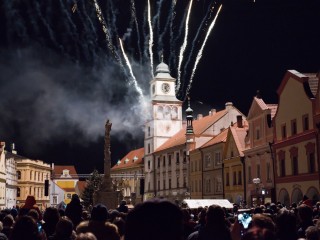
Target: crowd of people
(159, 219)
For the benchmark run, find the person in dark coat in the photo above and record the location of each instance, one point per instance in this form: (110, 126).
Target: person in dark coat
(123, 207)
(74, 210)
(30, 204)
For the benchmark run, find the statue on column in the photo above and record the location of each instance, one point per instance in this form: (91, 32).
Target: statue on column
(106, 195)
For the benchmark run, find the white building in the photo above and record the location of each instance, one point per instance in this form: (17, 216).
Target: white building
(166, 121)
(11, 182)
(2, 176)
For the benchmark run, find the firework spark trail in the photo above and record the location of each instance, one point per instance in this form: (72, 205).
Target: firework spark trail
(204, 20)
(71, 28)
(156, 18)
(150, 38)
(169, 20)
(134, 16)
(174, 40)
(134, 81)
(173, 5)
(201, 50)
(107, 34)
(183, 47)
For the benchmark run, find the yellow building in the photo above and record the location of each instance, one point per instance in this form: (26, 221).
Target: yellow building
(295, 139)
(66, 178)
(233, 160)
(31, 175)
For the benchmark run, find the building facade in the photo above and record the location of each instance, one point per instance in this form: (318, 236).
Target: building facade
(66, 178)
(233, 162)
(295, 139)
(258, 154)
(2, 176)
(128, 177)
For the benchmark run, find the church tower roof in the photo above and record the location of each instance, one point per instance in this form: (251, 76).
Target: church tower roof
(162, 71)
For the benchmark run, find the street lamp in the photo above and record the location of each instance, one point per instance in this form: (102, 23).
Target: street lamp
(257, 182)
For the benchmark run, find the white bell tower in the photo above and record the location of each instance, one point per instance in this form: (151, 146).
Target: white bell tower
(166, 120)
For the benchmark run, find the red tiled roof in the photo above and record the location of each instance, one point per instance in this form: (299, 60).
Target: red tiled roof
(199, 127)
(58, 170)
(239, 135)
(273, 108)
(313, 82)
(221, 137)
(132, 159)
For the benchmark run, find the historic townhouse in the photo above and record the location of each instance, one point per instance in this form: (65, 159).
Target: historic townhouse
(31, 175)
(233, 160)
(127, 176)
(206, 168)
(258, 154)
(172, 173)
(66, 178)
(2, 176)
(295, 139)
(11, 181)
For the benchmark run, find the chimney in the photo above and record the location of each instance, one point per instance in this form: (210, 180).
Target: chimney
(229, 105)
(212, 112)
(199, 116)
(13, 150)
(239, 121)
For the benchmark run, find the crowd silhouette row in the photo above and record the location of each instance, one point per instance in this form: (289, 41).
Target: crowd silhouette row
(159, 219)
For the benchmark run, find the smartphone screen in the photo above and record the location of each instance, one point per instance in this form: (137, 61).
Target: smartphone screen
(244, 219)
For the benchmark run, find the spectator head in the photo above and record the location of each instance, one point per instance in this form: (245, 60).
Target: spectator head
(99, 213)
(305, 213)
(8, 221)
(64, 228)
(215, 216)
(51, 215)
(34, 214)
(25, 228)
(154, 220)
(86, 236)
(312, 233)
(263, 221)
(286, 224)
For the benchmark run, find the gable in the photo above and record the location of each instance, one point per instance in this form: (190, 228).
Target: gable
(257, 108)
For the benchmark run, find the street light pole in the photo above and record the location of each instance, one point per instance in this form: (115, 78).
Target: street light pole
(257, 182)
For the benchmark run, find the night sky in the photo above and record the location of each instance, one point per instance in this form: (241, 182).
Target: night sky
(62, 76)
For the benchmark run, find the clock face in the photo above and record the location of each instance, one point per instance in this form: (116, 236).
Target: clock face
(165, 87)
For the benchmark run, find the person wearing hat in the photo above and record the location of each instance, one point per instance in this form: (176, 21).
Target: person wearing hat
(74, 210)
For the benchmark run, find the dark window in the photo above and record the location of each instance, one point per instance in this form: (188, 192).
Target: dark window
(293, 127)
(295, 165)
(227, 180)
(158, 185)
(169, 183)
(305, 122)
(284, 131)
(149, 149)
(164, 184)
(18, 192)
(158, 162)
(283, 168)
(169, 160)
(149, 165)
(184, 157)
(19, 175)
(234, 182)
(311, 163)
(177, 182)
(239, 178)
(177, 157)
(164, 160)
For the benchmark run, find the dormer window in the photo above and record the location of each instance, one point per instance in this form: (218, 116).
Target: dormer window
(119, 161)
(135, 158)
(65, 173)
(126, 161)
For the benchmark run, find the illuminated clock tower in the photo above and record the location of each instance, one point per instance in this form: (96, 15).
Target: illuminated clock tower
(166, 119)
